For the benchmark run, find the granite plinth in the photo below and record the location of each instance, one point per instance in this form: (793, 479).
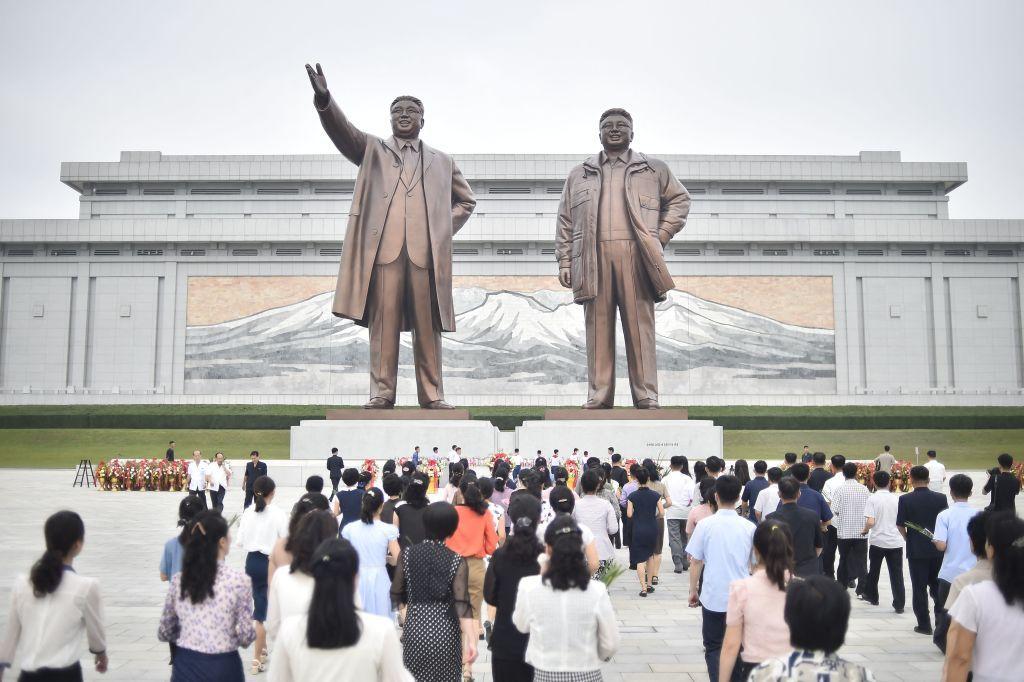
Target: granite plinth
(359, 439)
(664, 414)
(658, 439)
(400, 414)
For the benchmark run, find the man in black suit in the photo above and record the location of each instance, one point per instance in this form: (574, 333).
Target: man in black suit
(804, 524)
(819, 474)
(169, 455)
(1003, 485)
(335, 465)
(920, 507)
(253, 470)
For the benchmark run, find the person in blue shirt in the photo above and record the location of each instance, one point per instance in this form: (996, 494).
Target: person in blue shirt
(349, 500)
(809, 497)
(174, 548)
(753, 487)
(951, 537)
(721, 543)
(416, 456)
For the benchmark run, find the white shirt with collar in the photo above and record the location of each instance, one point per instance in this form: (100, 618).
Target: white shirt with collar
(197, 475)
(680, 488)
(936, 474)
(218, 475)
(47, 631)
(882, 506)
(832, 485)
(259, 531)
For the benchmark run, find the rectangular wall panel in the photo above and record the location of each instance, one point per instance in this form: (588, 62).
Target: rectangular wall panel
(896, 317)
(123, 326)
(983, 318)
(36, 326)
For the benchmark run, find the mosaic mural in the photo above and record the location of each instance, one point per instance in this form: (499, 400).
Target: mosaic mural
(519, 335)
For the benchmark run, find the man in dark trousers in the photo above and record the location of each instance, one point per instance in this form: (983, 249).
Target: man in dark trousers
(805, 526)
(335, 465)
(619, 475)
(253, 470)
(169, 456)
(1003, 485)
(920, 507)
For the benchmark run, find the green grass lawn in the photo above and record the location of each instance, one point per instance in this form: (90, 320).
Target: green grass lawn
(958, 449)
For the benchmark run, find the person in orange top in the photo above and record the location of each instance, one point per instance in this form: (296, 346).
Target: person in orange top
(474, 539)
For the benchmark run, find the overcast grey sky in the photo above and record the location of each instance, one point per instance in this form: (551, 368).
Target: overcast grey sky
(939, 81)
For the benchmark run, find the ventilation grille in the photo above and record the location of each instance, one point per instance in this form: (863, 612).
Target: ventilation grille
(697, 190)
(192, 252)
(277, 190)
(854, 191)
(288, 252)
(957, 252)
(149, 252)
(509, 252)
(775, 252)
(331, 190)
(547, 252)
(465, 252)
(805, 190)
(687, 252)
(110, 191)
(212, 191)
(106, 252)
(742, 190)
(914, 252)
(509, 190)
(332, 252)
(63, 252)
(827, 252)
(158, 191)
(870, 252)
(1000, 253)
(554, 190)
(915, 192)
(731, 252)
(245, 252)
(21, 253)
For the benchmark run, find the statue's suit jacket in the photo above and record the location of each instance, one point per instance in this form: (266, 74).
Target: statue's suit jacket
(449, 203)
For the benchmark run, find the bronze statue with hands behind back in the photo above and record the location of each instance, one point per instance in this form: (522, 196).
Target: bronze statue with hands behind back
(396, 266)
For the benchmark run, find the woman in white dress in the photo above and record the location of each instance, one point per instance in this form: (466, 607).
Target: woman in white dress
(377, 545)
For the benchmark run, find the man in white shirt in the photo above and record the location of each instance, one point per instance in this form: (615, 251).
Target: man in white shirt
(446, 471)
(848, 505)
(768, 499)
(218, 478)
(679, 487)
(828, 555)
(936, 472)
(197, 476)
(884, 543)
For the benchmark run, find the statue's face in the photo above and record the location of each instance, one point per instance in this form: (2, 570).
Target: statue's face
(616, 133)
(406, 119)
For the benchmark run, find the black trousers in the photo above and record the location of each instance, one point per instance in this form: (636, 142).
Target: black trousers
(713, 632)
(334, 486)
(828, 552)
(853, 562)
(508, 670)
(894, 565)
(201, 494)
(72, 673)
(217, 498)
(924, 581)
(248, 498)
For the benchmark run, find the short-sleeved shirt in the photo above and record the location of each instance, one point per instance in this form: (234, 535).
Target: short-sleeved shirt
(170, 562)
(883, 507)
(813, 500)
(818, 478)
(999, 628)
(936, 474)
(849, 503)
(951, 528)
(767, 500)
(254, 471)
(750, 492)
(756, 604)
(723, 542)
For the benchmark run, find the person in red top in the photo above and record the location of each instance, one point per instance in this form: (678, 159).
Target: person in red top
(474, 539)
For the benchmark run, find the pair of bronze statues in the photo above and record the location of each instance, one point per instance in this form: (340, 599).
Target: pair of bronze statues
(618, 210)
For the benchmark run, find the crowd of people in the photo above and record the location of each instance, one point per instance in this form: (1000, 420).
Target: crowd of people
(374, 581)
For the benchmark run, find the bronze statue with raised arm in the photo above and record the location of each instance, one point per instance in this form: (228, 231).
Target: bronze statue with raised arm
(396, 265)
(618, 211)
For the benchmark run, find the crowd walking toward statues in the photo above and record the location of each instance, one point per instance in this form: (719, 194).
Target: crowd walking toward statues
(375, 581)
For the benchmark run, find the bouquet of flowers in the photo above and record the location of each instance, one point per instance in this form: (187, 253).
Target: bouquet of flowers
(900, 481)
(572, 468)
(102, 476)
(369, 465)
(433, 472)
(865, 470)
(179, 475)
(401, 462)
(117, 475)
(1018, 469)
(498, 457)
(628, 464)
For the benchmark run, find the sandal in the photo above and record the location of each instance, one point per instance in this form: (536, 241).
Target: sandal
(644, 593)
(654, 580)
(258, 666)
(650, 589)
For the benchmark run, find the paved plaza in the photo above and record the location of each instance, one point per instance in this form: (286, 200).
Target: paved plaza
(125, 533)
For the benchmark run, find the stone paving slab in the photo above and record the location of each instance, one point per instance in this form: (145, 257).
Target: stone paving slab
(125, 533)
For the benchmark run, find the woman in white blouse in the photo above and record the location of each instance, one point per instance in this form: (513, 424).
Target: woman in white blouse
(53, 607)
(261, 525)
(291, 588)
(335, 642)
(568, 616)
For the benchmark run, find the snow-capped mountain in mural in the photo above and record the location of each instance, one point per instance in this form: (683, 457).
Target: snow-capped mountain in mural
(534, 341)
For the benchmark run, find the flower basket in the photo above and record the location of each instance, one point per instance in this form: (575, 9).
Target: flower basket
(433, 472)
(572, 468)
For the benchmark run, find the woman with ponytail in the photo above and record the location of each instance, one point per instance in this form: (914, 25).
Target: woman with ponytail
(261, 526)
(755, 616)
(511, 562)
(986, 635)
(474, 539)
(208, 609)
(568, 616)
(291, 588)
(377, 545)
(174, 548)
(52, 608)
(335, 642)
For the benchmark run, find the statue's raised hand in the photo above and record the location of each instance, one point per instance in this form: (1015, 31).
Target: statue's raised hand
(319, 82)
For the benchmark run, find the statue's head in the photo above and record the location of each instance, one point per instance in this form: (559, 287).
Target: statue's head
(616, 130)
(406, 116)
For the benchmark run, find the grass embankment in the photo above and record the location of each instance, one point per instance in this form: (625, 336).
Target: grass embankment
(958, 449)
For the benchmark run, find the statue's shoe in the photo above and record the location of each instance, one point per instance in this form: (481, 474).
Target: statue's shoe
(437, 405)
(379, 403)
(595, 405)
(648, 404)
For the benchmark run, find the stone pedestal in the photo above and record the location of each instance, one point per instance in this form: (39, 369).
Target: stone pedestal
(391, 438)
(658, 439)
